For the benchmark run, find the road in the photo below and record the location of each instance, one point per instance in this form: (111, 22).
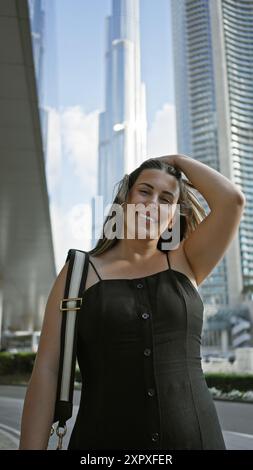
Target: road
(236, 420)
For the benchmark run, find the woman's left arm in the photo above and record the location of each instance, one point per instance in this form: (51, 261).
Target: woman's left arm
(205, 247)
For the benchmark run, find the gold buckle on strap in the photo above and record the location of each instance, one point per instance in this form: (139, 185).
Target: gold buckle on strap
(70, 299)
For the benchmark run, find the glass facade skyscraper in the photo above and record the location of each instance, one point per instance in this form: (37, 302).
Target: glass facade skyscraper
(122, 125)
(213, 57)
(37, 23)
(237, 18)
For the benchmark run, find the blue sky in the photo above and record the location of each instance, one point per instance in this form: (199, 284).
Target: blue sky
(76, 96)
(80, 27)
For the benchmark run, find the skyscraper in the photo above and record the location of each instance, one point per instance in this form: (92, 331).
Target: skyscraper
(122, 125)
(37, 24)
(37, 20)
(213, 57)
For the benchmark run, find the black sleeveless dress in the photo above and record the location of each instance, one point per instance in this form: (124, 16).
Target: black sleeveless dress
(138, 350)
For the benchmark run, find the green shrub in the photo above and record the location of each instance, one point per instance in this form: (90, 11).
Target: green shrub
(228, 382)
(15, 363)
(21, 363)
(6, 363)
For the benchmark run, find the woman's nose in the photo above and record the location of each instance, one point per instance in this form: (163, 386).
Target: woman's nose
(153, 202)
(153, 205)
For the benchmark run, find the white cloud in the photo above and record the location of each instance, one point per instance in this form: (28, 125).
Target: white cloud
(79, 221)
(72, 176)
(80, 144)
(53, 150)
(71, 229)
(161, 138)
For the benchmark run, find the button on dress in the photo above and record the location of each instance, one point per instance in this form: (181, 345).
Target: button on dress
(138, 349)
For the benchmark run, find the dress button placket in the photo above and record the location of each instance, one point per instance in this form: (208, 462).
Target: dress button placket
(145, 315)
(154, 418)
(147, 352)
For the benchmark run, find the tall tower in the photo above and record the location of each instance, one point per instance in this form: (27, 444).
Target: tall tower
(37, 24)
(213, 50)
(122, 125)
(37, 19)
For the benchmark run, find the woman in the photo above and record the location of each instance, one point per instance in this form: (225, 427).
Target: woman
(139, 330)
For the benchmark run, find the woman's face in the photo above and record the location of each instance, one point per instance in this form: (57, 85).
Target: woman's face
(154, 193)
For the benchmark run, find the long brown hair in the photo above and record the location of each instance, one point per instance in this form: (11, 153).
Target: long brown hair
(191, 211)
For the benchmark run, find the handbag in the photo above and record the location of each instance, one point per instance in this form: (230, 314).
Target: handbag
(69, 305)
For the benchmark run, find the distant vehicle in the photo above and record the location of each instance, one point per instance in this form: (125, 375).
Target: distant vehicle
(216, 357)
(20, 341)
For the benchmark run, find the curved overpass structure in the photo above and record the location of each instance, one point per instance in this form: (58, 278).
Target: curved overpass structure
(27, 263)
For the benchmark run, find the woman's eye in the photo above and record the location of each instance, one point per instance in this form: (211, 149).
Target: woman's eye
(146, 192)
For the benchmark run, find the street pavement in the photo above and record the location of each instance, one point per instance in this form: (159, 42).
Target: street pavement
(236, 420)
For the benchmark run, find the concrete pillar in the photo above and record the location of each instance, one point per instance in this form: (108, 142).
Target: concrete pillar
(224, 341)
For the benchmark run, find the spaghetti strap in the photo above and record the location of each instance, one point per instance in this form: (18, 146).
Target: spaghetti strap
(95, 269)
(168, 259)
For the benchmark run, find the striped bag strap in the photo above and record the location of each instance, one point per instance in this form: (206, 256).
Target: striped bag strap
(69, 306)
